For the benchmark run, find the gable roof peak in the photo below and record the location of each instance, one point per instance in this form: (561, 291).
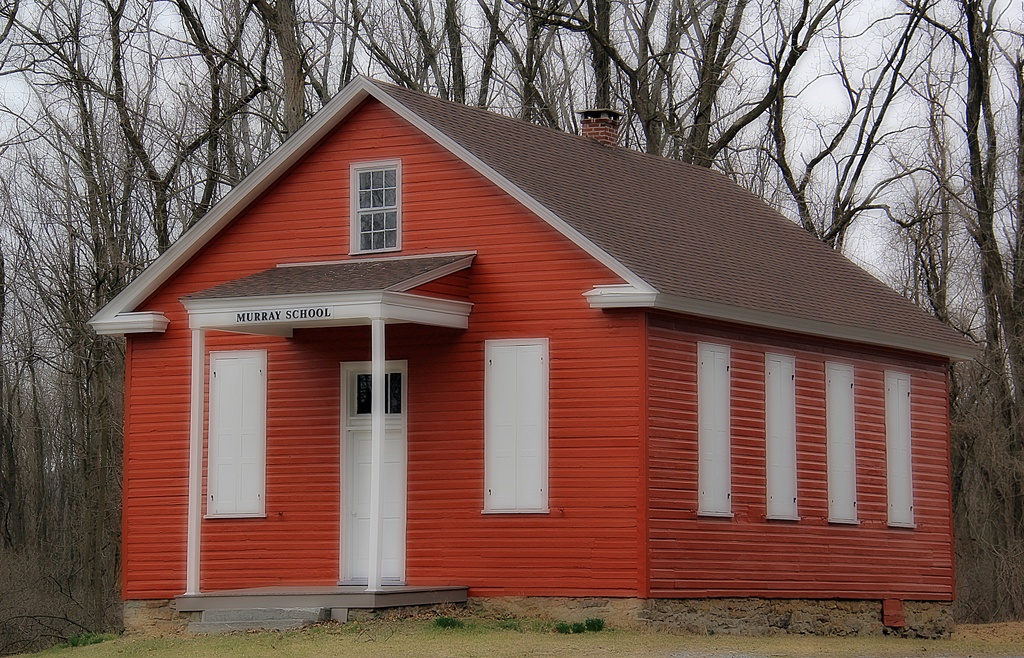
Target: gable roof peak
(666, 228)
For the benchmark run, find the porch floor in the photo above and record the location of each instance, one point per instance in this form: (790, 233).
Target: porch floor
(341, 596)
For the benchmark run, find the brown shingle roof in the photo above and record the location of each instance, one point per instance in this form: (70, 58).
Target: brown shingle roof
(349, 276)
(687, 231)
(705, 244)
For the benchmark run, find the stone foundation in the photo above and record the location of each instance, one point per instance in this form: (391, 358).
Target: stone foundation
(406, 612)
(738, 616)
(154, 618)
(616, 612)
(926, 619)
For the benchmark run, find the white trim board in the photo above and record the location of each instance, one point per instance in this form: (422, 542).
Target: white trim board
(141, 322)
(236, 201)
(283, 159)
(339, 309)
(113, 318)
(517, 193)
(624, 296)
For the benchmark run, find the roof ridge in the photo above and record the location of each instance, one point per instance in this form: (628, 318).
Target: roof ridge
(689, 231)
(665, 226)
(475, 108)
(575, 138)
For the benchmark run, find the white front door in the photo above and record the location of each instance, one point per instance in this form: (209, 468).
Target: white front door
(355, 490)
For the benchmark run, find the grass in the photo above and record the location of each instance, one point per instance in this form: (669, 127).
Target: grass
(592, 624)
(85, 639)
(481, 637)
(448, 622)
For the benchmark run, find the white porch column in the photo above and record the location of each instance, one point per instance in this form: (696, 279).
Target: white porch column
(377, 394)
(195, 461)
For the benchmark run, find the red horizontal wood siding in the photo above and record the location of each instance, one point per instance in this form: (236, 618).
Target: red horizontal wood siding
(748, 555)
(454, 286)
(527, 281)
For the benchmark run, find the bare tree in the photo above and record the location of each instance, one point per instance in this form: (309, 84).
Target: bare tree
(850, 151)
(962, 224)
(138, 117)
(996, 230)
(282, 21)
(453, 28)
(100, 174)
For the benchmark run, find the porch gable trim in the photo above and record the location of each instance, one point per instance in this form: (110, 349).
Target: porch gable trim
(279, 315)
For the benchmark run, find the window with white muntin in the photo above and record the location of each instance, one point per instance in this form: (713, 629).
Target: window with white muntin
(376, 206)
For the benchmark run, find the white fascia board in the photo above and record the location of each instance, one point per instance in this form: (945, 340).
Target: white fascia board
(380, 259)
(434, 275)
(237, 200)
(340, 309)
(416, 309)
(289, 153)
(130, 323)
(620, 296)
(623, 297)
(514, 191)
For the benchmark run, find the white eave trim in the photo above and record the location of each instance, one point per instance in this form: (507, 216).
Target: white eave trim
(237, 200)
(286, 156)
(514, 191)
(130, 323)
(621, 296)
(270, 315)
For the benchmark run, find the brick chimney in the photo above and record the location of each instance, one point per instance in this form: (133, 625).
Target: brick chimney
(602, 125)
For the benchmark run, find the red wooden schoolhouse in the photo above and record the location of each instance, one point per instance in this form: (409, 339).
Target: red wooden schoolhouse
(425, 351)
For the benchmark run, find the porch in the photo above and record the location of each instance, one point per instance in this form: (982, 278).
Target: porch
(289, 608)
(277, 302)
(345, 597)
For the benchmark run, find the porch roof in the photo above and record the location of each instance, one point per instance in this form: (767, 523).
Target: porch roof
(399, 274)
(294, 295)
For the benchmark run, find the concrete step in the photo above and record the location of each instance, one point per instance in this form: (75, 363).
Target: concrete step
(216, 622)
(310, 615)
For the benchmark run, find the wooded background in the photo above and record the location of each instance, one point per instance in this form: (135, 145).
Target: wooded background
(893, 130)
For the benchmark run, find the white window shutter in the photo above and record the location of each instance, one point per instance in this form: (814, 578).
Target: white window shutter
(500, 428)
(780, 436)
(515, 425)
(713, 421)
(841, 451)
(225, 438)
(531, 380)
(897, 449)
(237, 450)
(253, 427)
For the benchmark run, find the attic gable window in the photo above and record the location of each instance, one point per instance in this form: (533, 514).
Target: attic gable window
(376, 206)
